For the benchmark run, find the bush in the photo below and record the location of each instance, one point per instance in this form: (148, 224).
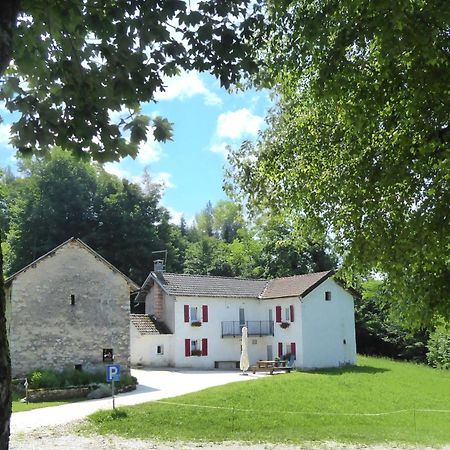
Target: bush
(70, 377)
(52, 379)
(439, 347)
(104, 390)
(44, 379)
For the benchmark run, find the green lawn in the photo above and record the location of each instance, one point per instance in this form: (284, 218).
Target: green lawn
(297, 407)
(18, 406)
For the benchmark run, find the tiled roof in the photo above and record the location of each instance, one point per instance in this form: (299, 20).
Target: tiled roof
(146, 324)
(210, 286)
(296, 286)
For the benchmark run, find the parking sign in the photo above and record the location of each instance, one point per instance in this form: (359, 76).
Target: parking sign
(112, 372)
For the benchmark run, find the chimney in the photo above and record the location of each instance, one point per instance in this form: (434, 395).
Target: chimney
(158, 265)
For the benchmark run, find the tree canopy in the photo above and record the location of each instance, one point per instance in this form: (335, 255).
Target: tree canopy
(75, 62)
(66, 65)
(357, 145)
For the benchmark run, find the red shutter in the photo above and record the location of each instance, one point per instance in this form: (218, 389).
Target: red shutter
(187, 347)
(293, 350)
(205, 313)
(278, 314)
(186, 313)
(280, 349)
(292, 313)
(204, 347)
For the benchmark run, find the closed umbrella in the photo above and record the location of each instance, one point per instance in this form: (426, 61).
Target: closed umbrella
(244, 352)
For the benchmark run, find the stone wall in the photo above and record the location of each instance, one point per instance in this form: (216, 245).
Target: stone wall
(48, 331)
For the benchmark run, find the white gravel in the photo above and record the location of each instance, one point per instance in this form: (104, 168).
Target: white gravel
(69, 438)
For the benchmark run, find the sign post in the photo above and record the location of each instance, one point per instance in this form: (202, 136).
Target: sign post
(112, 375)
(26, 389)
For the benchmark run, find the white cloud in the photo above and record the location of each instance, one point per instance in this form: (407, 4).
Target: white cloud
(5, 130)
(164, 178)
(114, 169)
(187, 85)
(221, 147)
(175, 216)
(235, 124)
(149, 152)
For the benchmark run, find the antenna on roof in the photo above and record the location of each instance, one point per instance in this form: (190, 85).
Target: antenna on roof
(159, 265)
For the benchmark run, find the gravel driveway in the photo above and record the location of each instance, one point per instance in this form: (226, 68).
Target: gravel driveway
(68, 438)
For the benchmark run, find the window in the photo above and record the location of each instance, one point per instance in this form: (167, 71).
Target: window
(194, 314)
(160, 350)
(327, 296)
(254, 341)
(79, 367)
(287, 314)
(194, 346)
(72, 299)
(108, 355)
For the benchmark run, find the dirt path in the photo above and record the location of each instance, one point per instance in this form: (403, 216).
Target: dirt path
(69, 437)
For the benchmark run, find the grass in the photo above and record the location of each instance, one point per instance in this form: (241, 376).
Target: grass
(299, 407)
(18, 406)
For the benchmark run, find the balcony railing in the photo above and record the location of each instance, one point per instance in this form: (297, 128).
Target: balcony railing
(254, 328)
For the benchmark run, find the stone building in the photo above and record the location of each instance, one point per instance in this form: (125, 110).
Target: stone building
(68, 309)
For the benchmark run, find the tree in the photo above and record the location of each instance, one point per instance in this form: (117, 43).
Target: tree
(358, 143)
(75, 61)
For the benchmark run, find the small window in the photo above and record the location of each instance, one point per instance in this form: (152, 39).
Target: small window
(194, 346)
(108, 355)
(254, 341)
(194, 314)
(345, 341)
(79, 367)
(72, 299)
(327, 296)
(160, 350)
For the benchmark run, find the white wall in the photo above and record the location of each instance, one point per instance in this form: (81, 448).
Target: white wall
(219, 349)
(291, 334)
(144, 349)
(326, 325)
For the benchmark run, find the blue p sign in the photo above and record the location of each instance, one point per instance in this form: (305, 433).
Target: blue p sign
(112, 372)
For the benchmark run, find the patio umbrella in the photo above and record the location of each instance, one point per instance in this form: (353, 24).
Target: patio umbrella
(244, 352)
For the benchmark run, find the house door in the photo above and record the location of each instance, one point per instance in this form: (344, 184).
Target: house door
(269, 353)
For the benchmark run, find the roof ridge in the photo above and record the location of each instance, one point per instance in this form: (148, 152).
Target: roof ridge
(213, 276)
(86, 247)
(301, 275)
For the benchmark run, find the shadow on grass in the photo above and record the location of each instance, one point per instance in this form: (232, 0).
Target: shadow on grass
(349, 369)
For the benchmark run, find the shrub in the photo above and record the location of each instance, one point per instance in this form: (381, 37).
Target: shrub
(103, 390)
(44, 379)
(439, 347)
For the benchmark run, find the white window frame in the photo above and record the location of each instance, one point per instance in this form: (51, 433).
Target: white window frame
(193, 314)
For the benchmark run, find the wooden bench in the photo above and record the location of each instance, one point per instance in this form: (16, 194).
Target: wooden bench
(270, 366)
(235, 363)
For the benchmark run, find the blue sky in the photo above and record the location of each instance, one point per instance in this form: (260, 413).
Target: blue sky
(206, 118)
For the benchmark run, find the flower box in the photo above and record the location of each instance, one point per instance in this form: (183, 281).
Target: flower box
(196, 353)
(196, 324)
(284, 324)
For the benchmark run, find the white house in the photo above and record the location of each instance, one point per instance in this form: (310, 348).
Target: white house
(196, 321)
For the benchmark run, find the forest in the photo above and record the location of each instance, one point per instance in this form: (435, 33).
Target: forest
(54, 198)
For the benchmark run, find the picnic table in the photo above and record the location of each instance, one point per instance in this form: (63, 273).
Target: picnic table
(270, 366)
